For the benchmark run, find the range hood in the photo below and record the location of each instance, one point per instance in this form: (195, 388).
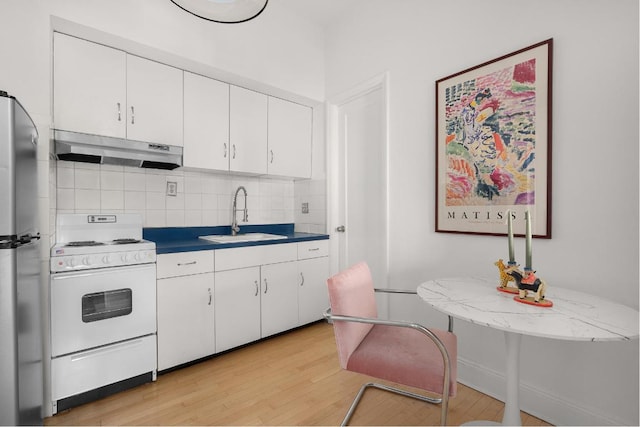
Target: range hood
(82, 147)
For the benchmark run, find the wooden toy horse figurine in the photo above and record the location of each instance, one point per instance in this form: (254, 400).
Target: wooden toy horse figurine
(538, 287)
(505, 278)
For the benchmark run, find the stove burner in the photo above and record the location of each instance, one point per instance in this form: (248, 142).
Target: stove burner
(125, 241)
(84, 243)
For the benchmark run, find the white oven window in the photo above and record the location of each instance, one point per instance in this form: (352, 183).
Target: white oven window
(106, 305)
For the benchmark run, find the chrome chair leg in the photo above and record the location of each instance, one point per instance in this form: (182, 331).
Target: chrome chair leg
(390, 389)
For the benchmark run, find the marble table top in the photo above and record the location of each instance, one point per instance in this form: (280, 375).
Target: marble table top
(574, 316)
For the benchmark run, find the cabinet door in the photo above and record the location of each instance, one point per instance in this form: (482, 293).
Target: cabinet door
(89, 87)
(154, 102)
(313, 297)
(248, 131)
(206, 123)
(185, 319)
(237, 307)
(279, 298)
(289, 139)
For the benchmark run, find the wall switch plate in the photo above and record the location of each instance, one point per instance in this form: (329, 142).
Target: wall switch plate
(305, 208)
(172, 188)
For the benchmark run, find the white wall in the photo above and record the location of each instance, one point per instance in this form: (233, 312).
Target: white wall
(595, 177)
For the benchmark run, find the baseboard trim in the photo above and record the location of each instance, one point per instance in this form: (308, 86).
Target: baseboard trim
(543, 404)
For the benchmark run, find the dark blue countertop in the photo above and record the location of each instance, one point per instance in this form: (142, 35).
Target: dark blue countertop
(185, 239)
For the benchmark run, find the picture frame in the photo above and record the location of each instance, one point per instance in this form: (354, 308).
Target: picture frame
(493, 145)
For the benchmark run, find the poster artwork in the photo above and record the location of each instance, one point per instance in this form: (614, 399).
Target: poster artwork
(490, 141)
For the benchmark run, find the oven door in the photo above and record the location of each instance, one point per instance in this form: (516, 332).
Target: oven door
(93, 308)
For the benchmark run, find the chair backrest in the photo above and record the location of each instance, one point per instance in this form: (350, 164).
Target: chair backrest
(351, 294)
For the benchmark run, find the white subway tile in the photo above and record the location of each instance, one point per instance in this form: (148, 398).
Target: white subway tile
(87, 199)
(111, 180)
(193, 218)
(135, 200)
(87, 179)
(65, 177)
(111, 199)
(155, 201)
(175, 218)
(175, 202)
(155, 218)
(134, 181)
(193, 201)
(156, 183)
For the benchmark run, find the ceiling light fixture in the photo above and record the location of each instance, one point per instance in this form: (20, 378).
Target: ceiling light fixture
(223, 11)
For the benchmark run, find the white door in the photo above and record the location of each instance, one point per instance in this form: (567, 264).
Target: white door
(248, 131)
(185, 319)
(279, 297)
(358, 173)
(154, 102)
(313, 298)
(237, 307)
(89, 87)
(206, 123)
(289, 139)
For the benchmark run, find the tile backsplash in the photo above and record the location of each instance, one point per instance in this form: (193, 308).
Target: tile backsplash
(184, 198)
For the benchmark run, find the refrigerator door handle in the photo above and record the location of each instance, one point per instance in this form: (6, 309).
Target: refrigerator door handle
(27, 238)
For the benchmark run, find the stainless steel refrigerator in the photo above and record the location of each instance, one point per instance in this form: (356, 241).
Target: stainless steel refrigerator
(21, 354)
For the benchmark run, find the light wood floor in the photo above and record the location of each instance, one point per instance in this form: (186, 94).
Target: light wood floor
(291, 379)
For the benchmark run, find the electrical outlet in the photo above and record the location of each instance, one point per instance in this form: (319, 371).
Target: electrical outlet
(172, 188)
(305, 208)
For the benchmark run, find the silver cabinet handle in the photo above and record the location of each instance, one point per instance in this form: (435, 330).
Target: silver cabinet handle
(257, 287)
(133, 115)
(234, 151)
(119, 113)
(225, 150)
(271, 156)
(210, 296)
(302, 276)
(340, 229)
(266, 286)
(180, 264)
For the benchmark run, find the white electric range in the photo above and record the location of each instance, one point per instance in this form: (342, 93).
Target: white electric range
(103, 307)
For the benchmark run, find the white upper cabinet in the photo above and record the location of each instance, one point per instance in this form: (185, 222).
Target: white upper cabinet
(105, 91)
(206, 123)
(248, 131)
(289, 139)
(89, 87)
(154, 102)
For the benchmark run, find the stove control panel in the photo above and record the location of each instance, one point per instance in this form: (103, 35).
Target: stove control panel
(101, 260)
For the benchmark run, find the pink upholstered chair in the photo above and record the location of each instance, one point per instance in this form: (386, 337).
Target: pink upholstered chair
(404, 353)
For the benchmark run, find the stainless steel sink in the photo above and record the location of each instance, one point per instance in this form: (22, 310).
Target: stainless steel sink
(238, 238)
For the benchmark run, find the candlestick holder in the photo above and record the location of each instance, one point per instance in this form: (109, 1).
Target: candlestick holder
(507, 282)
(531, 289)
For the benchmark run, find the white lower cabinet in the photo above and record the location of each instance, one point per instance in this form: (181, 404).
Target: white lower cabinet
(313, 298)
(186, 330)
(212, 301)
(279, 297)
(237, 301)
(186, 320)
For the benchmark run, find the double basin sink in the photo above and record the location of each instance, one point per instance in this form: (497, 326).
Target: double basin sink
(240, 238)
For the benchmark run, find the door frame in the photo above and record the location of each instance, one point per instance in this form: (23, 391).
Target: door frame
(333, 104)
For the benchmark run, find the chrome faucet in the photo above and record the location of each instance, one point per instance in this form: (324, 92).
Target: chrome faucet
(235, 228)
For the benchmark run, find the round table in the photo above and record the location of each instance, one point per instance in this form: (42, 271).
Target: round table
(574, 316)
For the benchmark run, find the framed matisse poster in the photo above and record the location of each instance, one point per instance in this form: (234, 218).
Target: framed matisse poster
(493, 145)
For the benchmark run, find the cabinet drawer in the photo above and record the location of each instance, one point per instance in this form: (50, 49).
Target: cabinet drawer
(184, 263)
(249, 256)
(313, 249)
